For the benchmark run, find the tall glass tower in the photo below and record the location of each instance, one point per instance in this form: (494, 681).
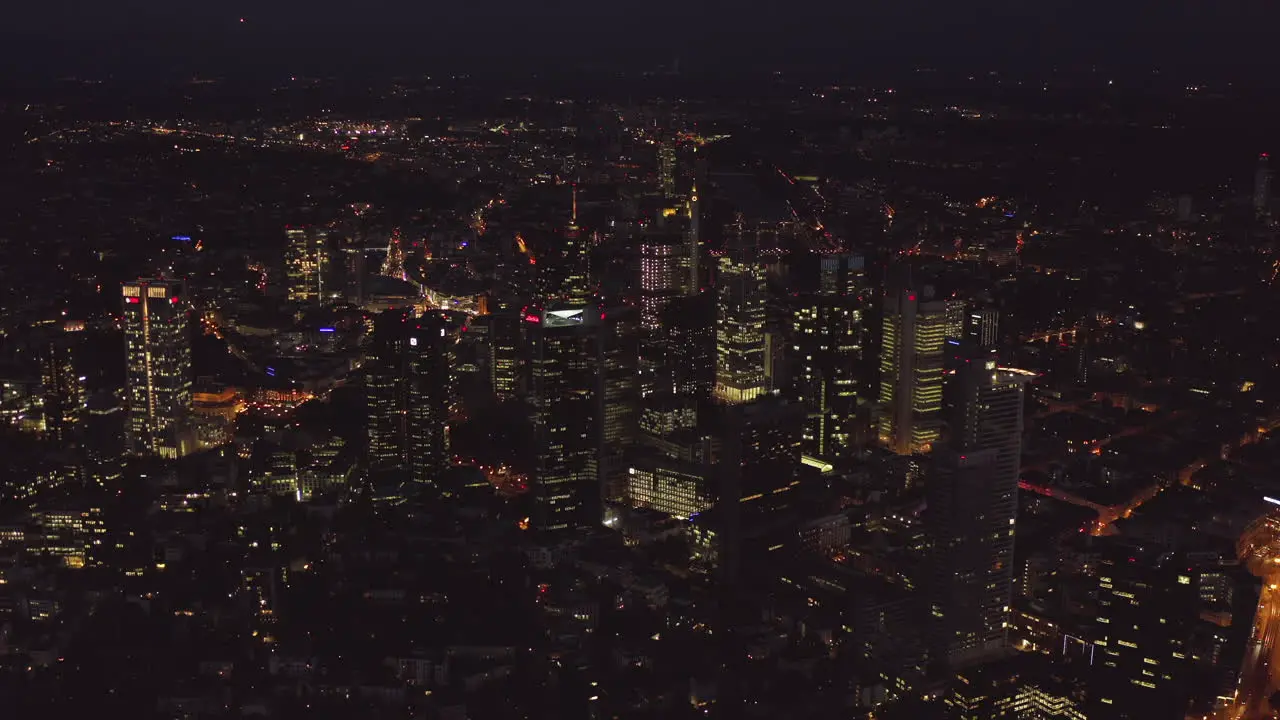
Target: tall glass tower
(973, 505)
(307, 265)
(912, 355)
(827, 341)
(740, 332)
(427, 386)
(158, 366)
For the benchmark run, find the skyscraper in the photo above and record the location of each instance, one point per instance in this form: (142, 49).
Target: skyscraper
(915, 328)
(759, 456)
(740, 327)
(827, 338)
(104, 438)
(617, 397)
(660, 279)
(972, 496)
(667, 169)
(1262, 185)
(982, 326)
(407, 387)
(564, 277)
(157, 366)
(427, 395)
(505, 343)
(307, 265)
(63, 388)
(694, 255)
(690, 325)
(1148, 606)
(661, 282)
(384, 390)
(566, 422)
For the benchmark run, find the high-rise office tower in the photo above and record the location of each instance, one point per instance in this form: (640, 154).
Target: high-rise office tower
(915, 328)
(691, 340)
(740, 326)
(158, 366)
(827, 339)
(564, 273)
(972, 507)
(505, 344)
(384, 390)
(753, 480)
(104, 438)
(1143, 658)
(355, 268)
(308, 269)
(564, 383)
(661, 281)
(667, 169)
(571, 275)
(1262, 185)
(617, 397)
(63, 390)
(694, 254)
(427, 397)
(982, 327)
(660, 278)
(408, 391)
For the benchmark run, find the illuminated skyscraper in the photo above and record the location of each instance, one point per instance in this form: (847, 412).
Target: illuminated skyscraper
(827, 337)
(972, 506)
(564, 273)
(694, 255)
(667, 169)
(585, 395)
(575, 263)
(740, 320)
(982, 327)
(427, 381)
(1262, 185)
(563, 389)
(158, 366)
(63, 388)
(660, 278)
(617, 398)
(691, 342)
(384, 390)
(505, 343)
(408, 390)
(915, 328)
(307, 265)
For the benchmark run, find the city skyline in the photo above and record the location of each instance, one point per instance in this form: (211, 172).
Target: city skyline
(659, 388)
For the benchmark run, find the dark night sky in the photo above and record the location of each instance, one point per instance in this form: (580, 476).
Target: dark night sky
(62, 36)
